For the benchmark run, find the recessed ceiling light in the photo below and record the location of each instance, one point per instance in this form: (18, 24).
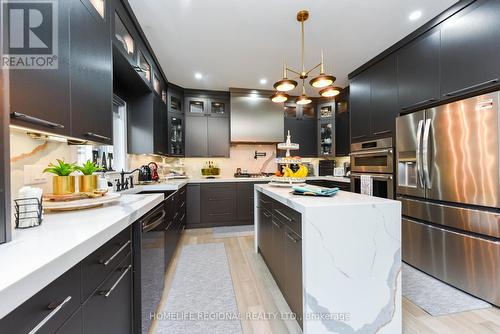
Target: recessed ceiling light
(198, 76)
(263, 81)
(415, 15)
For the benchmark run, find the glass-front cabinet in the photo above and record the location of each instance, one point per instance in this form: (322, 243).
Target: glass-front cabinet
(196, 106)
(156, 84)
(218, 108)
(144, 67)
(175, 103)
(124, 37)
(326, 138)
(326, 110)
(176, 135)
(290, 110)
(308, 111)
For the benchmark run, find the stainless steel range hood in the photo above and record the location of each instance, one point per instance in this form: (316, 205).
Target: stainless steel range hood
(255, 118)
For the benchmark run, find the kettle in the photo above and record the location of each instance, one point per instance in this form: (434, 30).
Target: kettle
(145, 174)
(154, 171)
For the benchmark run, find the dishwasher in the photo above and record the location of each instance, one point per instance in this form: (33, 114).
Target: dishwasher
(149, 264)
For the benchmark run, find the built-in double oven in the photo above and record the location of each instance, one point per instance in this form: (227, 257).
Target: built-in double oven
(373, 162)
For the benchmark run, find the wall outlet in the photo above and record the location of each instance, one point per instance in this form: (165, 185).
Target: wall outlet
(33, 174)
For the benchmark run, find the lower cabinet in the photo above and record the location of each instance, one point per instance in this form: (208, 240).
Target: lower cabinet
(220, 204)
(176, 222)
(280, 245)
(95, 296)
(109, 309)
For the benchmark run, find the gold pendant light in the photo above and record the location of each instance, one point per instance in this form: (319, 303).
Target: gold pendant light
(323, 80)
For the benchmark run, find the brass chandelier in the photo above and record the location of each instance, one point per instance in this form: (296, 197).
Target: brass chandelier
(323, 81)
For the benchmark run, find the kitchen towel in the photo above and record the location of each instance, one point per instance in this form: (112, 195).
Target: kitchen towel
(316, 190)
(366, 185)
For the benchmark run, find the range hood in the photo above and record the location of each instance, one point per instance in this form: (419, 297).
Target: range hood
(255, 118)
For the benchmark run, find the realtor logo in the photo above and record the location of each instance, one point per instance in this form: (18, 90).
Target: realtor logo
(29, 34)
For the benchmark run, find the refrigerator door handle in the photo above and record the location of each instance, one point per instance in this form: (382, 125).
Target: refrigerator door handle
(425, 153)
(419, 153)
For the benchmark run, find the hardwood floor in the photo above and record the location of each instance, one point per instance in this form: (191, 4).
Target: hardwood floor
(257, 293)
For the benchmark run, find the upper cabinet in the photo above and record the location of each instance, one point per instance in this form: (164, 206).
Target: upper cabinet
(40, 99)
(175, 101)
(374, 101)
(302, 122)
(342, 129)
(470, 49)
(123, 38)
(91, 71)
(418, 72)
(326, 129)
(144, 67)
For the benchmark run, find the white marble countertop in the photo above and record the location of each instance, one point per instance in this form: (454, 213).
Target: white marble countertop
(175, 184)
(301, 203)
(351, 261)
(37, 256)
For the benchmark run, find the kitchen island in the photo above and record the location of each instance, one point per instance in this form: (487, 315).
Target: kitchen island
(337, 260)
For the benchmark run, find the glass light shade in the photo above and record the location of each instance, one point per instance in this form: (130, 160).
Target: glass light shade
(279, 97)
(322, 80)
(285, 85)
(330, 91)
(303, 99)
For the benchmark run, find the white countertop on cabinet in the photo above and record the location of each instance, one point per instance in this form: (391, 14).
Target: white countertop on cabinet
(37, 256)
(351, 261)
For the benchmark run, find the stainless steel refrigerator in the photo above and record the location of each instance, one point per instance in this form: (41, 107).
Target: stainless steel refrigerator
(448, 174)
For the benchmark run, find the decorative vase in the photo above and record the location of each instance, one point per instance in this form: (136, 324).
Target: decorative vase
(63, 185)
(87, 183)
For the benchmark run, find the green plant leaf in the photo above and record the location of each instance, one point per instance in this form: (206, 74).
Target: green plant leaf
(61, 169)
(89, 168)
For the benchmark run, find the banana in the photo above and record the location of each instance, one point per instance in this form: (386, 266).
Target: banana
(288, 172)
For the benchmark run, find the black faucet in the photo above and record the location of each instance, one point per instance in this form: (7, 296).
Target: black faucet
(123, 184)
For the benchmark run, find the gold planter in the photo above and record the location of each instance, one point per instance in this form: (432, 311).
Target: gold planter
(63, 185)
(88, 183)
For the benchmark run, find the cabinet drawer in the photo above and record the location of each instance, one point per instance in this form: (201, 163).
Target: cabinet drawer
(49, 308)
(98, 265)
(219, 210)
(290, 217)
(216, 192)
(265, 202)
(109, 309)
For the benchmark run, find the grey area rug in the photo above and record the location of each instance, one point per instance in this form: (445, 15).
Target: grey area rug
(436, 297)
(233, 231)
(201, 299)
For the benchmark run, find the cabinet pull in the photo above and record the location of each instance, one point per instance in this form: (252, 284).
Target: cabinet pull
(108, 293)
(267, 215)
(283, 215)
(50, 315)
(96, 136)
(108, 261)
(291, 237)
(419, 104)
(150, 226)
(183, 216)
(276, 224)
(463, 90)
(220, 214)
(176, 214)
(34, 120)
(382, 132)
(356, 137)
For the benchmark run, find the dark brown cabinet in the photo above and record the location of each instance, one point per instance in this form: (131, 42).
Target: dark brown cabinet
(207, 124)
(374, 101)
(280, 244)
(5, 203)
(326, 129)
(302, 123)
(342, 124)
(193, 205)
(147, 125)
(73, 325)
(360, 100)
(418, 72)
(384, 106)
(470, 45)
(175, 101)
(218, 136)
(176, 135)
(293, 271)
(109, 309)
(91, 73)
(40, 99)
(218, 203)
(345, 186)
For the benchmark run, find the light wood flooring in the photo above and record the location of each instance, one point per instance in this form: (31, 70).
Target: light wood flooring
(256, 292)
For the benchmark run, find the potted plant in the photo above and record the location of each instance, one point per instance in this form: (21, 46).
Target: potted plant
(62, 183)
(88, 181)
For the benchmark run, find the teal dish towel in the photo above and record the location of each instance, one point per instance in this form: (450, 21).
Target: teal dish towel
(320, 191)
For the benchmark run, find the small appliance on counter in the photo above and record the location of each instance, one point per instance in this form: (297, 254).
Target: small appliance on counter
(154, 171)
(339, 171)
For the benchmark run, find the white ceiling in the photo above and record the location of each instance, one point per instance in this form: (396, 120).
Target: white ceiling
(235, 43)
